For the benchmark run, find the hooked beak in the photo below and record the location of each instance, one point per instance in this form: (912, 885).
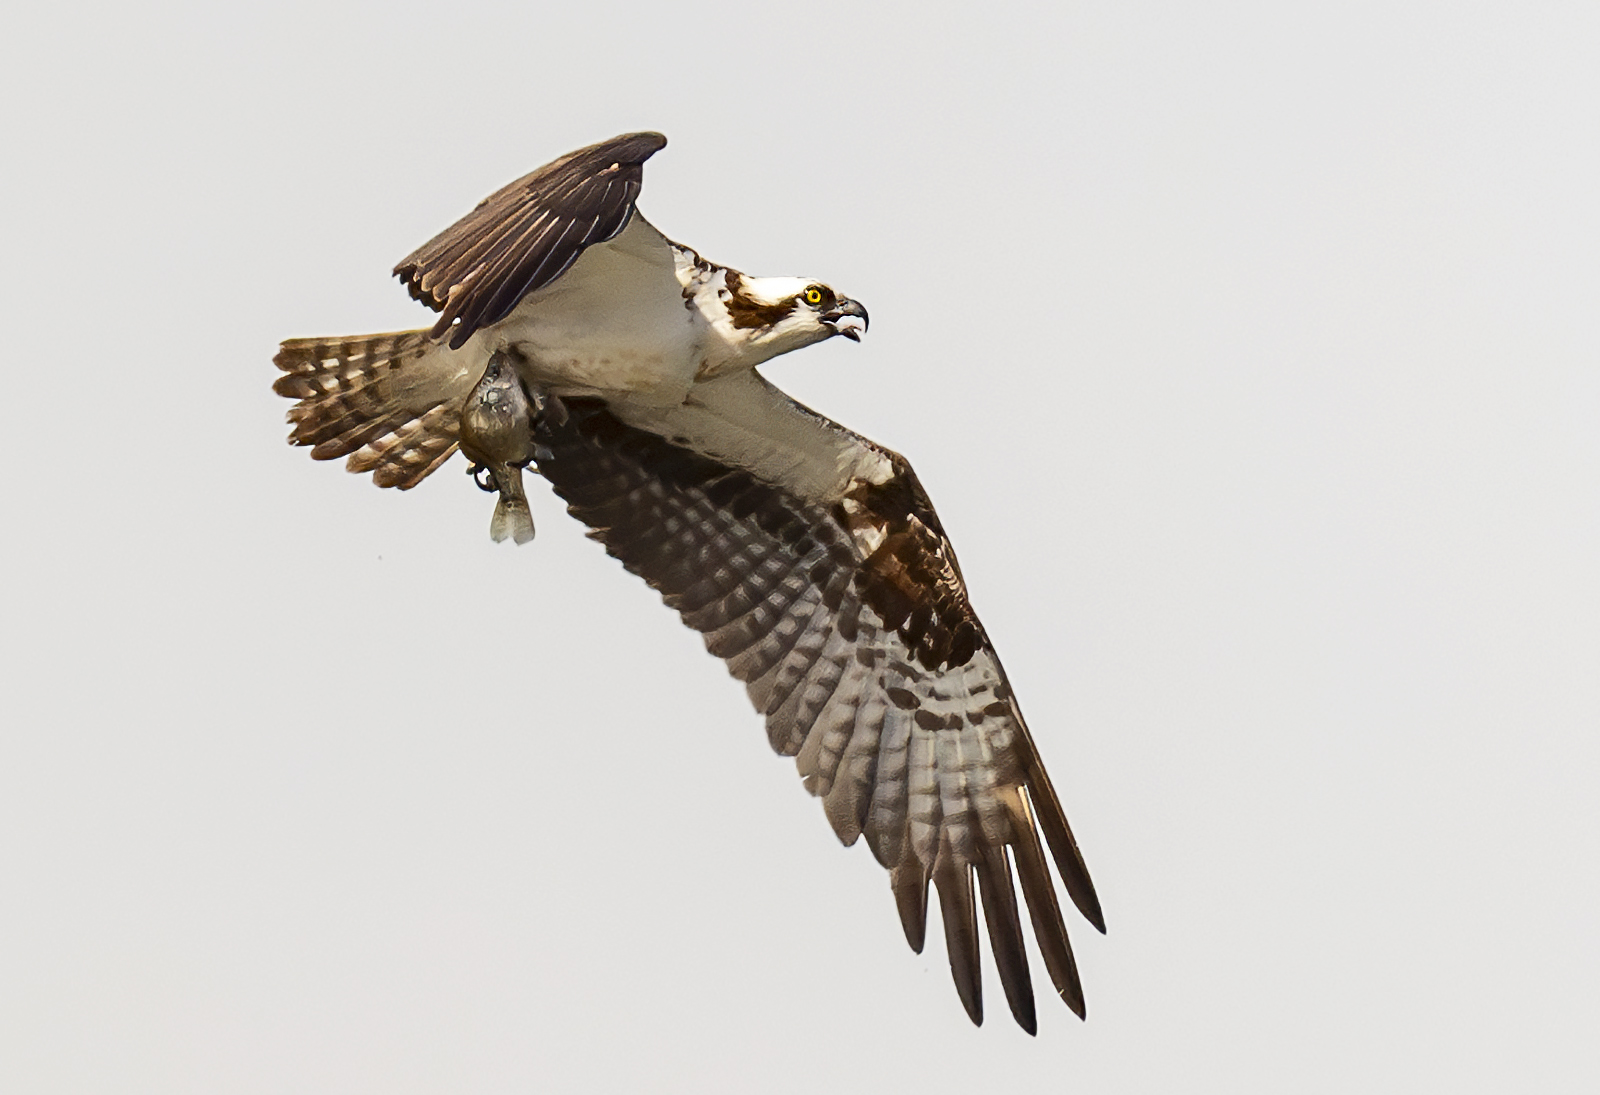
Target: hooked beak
(844, 309)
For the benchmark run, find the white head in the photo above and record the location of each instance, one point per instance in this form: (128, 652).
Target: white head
(763, 317)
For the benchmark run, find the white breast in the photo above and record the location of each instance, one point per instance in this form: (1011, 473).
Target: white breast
(615, 322)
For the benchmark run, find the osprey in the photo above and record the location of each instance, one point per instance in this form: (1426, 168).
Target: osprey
(573, 333)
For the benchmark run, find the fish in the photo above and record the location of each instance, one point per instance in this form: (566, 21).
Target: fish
(497, 436)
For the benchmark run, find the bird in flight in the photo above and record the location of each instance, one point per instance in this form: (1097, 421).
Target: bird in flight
(571, 331)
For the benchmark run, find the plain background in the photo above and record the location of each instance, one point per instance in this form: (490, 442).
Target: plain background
(1248, 349)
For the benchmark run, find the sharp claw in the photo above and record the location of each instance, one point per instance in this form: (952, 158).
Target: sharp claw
(480, 475)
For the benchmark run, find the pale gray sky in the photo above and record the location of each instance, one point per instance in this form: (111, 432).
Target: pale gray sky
(1249, 353)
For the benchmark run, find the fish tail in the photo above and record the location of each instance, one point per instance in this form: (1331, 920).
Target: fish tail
(512, 517)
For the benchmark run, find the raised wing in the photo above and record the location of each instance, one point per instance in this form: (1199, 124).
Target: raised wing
(525, 235)
(390, 402)
(845, 615)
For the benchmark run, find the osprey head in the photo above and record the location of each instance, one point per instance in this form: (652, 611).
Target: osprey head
(782, 314)
(839, 314)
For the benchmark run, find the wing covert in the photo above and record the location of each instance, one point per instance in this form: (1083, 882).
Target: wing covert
(526, 234)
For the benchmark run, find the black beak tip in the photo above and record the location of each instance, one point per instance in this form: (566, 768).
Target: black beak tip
(845, 307)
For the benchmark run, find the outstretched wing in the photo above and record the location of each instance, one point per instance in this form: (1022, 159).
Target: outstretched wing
(814, 565)
(389, 402)
(525, 235)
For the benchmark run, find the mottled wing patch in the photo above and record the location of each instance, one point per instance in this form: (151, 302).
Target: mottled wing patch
(389, 402)
(893, 703)
(909, 574)
(526, 234)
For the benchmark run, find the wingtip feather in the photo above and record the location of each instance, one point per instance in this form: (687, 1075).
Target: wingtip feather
(952, 880)
(999, 896)
(909, 881)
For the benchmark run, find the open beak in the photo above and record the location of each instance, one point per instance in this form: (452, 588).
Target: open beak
(842, 318)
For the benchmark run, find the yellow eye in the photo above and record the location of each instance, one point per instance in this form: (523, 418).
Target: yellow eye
(814, 295)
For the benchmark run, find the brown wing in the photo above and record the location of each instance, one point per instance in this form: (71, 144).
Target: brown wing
(523, 236)
(390, 402)
(848, 621)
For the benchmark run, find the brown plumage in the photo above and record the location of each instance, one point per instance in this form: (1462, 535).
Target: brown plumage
(748, 312)
(358, 398)
(526, 234)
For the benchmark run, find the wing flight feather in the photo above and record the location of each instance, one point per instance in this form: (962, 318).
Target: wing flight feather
(842, 609)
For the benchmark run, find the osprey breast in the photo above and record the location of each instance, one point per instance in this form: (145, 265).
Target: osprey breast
(613, 323)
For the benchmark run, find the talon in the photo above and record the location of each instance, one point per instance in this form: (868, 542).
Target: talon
(480, 475)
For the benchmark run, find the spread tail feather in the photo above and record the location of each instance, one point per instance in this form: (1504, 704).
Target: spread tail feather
(390, 402)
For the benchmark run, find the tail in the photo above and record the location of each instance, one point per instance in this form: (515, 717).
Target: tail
(390, 402)
(512, 517)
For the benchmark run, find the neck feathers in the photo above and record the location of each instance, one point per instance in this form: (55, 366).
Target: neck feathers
(748, 320)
